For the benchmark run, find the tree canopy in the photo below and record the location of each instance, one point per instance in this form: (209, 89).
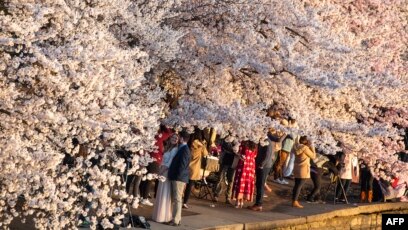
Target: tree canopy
(84, 78)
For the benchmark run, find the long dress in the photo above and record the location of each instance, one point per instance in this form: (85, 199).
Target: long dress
(244, 181)
(162, 210)
(290, 161)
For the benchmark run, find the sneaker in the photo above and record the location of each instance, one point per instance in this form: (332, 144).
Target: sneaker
(310, 201)
(255, 208)
(171, 223)
(277, 181)
(340, 200)
(320, 202)
(283, 181)
(185, 206)
(146, 202)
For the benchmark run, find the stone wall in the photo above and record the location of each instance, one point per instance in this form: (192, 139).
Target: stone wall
(363, 217)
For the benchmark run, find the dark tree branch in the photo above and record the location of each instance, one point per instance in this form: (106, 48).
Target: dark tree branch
(297, 34)
(5, 112)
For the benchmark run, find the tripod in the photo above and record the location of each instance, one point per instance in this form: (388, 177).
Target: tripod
(334, 181)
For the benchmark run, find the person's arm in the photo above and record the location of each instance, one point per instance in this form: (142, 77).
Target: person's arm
(185, 160)
(274, 138)
(262, 154)
(311, 147)
(298, 150)
(282, 138)
(331, 167)
(163, 169)
(309, 152)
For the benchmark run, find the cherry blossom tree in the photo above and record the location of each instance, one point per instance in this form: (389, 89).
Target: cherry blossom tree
(328, 64)
(73, 85)
(80, 79)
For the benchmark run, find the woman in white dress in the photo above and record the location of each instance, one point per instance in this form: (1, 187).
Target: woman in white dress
(162, 211)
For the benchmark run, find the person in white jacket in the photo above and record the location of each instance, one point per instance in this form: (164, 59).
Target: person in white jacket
(349, 163)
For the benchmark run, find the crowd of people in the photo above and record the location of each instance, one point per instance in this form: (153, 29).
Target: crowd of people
(244, 169)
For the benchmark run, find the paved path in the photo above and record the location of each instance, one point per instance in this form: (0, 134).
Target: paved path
(225, 217)
(204, 214)
(277, 207)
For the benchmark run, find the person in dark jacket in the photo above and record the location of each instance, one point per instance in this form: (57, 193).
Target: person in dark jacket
(366, 181)
(179, 175)
(263, 164)
(317, 168)
(226, 172)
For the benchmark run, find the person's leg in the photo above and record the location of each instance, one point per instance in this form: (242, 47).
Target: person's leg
(297, 188)
(279, 173)
(370, 181)
(296, 192)
(346, 184)
(177, 188)
(363, 184)
(311, 196)
(282, 161)
(230, 183)
(276, 167)
(142, 187)
(173, 186)
(152, 168)
(136, 186)
(339, 191)
(259, 183)
(187, 193)
(288, 171)
(221, 181)
(129, 179)
(318, 184)
(156, 186)
(265, 178)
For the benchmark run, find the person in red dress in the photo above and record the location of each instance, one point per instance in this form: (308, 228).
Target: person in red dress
(147, 186)
(244, 182)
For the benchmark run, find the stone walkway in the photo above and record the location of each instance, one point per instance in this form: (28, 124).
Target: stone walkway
(226, 217)
(277, 213)
(204, 214)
